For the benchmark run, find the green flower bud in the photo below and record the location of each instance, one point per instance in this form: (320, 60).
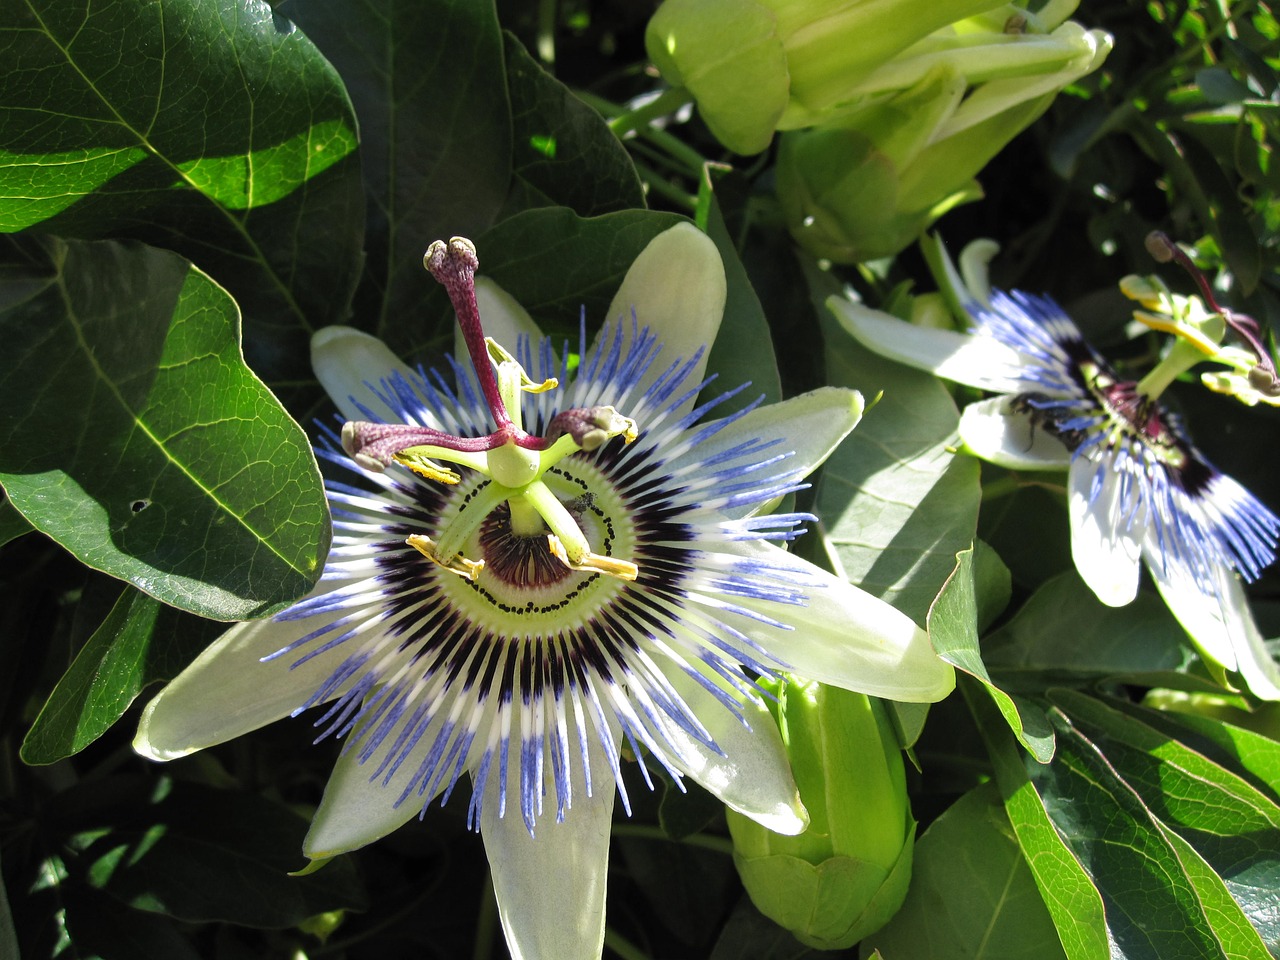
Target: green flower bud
(747, 62)
(845, 876)
(866, 185)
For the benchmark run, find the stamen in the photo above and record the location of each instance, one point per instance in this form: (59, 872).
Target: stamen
(592, 427)
(1164, 250)
(467, 569)
(593, 562)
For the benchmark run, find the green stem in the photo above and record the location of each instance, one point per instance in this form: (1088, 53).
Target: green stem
(671, 145)
(663, 188)
(667, 102)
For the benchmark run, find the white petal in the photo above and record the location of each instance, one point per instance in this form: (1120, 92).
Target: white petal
(357, 810)
(503, 319)
(965, 358)
(846, 637)
(346, 362)
(809, 427)
(1105, 544)
(1217, 618)
(993, 431)
(753, 776)
(551, 888)
(677, 289)
(227, 691)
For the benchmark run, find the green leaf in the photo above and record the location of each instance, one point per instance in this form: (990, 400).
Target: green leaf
(192, 852)
(138, 439)
(429, 88)
(101, 683)
(101, 926)
(1137, 869)
(1067, 890)
(12, 523)
(227, 137)
(1233, 828)
(972, 893)
(898, 504)
(139, 642)
(953, 629)
(563, 151)
(743, 351)
(1255, 753)
(8, 936)
(1064, 633)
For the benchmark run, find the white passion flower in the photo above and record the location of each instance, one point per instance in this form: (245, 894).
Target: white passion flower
(1137, 486)
(533, 568)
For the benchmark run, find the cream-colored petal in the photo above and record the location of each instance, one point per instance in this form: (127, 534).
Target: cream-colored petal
(503, 319)
(347, 362)
(358, 808)
(809, 427)
(753, 776)
(844, 636)
(965, 358)
(993, 431)
(550, 887)
(1217, 618)
(677, 288)
(1105, 544)
(228, 691)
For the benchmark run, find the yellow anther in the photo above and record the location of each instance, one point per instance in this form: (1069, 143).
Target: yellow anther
(593, 562)
(467, 569)
(425, 467)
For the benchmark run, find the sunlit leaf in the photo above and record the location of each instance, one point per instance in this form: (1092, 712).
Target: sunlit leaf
(1230, 824)
(1069, 893)
(213, 128)
(953, 629)
(972, 893)
(138, 439)
(1139, 871)
(897, 503)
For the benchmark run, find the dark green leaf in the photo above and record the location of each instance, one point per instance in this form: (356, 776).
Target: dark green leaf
(8, 936)
(972, 893)
(897, 503)
(227, 137)
(139, 642)
(1064, 632)
(1135, 866)
(428, 85)
(953, 629)
(1255, 753)
(12, 523)
(1065, 886)
(193, 852)
(100, 926)
(750, 935)
(562, 149)
(100, 685)
(1230, 824)
(185, 476)
(743, 351)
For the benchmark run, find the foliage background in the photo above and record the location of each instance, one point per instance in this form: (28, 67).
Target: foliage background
(188, 190)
